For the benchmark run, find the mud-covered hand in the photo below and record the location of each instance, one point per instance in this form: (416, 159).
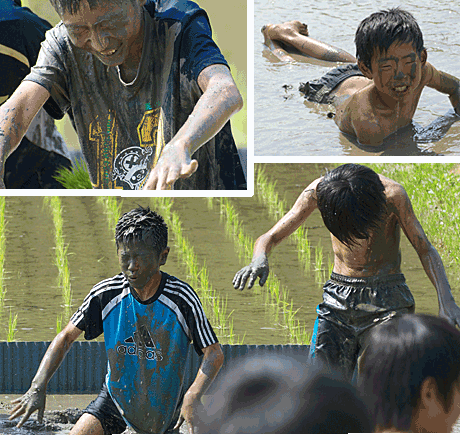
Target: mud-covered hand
(257, 268)
(189, 412)
(174, 163)
(451, 312)
(34, 399)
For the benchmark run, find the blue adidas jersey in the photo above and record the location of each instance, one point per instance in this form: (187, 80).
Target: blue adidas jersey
(147, 344)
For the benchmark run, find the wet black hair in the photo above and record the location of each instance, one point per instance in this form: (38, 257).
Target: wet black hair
(277, 394)
(376, 33)
(142, 225)
(73, 6)
(351, 200)
(399, 356)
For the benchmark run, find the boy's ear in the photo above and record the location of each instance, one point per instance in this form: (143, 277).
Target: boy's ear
(365, 70)
(164, 256)
(423, 56)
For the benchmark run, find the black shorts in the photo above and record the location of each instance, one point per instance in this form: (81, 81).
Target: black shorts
(350, 307)
(105, 410)
(319, 90)
(107, 413)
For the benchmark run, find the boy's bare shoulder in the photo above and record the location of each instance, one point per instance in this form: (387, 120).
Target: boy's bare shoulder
(394, 191)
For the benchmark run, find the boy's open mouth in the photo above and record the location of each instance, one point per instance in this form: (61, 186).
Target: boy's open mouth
(400, 89)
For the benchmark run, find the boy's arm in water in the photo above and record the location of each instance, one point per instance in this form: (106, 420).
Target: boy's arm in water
(303, 207)
(445, 83)
(220, 100)
(429, 257)
(16, 114)
(213, 358)
(35, 398)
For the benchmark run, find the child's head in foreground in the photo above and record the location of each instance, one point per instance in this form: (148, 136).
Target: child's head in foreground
(277, 394)
(409, 374)
(351, 200)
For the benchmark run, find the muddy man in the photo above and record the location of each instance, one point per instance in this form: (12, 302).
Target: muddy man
(364, 212)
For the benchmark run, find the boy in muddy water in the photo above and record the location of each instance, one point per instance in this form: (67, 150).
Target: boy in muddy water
(148, 319)
(364, 213)
(150, 93)
(377, 94)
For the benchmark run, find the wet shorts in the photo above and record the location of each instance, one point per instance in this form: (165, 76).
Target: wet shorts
(350, 307)
(105, 410)
(319, 90)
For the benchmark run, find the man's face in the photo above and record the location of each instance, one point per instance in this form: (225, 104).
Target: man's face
(112, 31)
(397, 72)
(139, 263)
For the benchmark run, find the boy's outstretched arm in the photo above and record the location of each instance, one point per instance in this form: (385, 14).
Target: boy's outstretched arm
(447, 84)
(303, 207)
(35, 398)
(220, 100)
(16, 114)
(213, 358)
(429, 257)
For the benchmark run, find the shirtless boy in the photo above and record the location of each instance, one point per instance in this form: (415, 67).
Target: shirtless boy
(364, 212)
(379, 95)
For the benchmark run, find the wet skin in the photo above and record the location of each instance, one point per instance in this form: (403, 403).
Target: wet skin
(112, 32)
(385, 99)
(378, 255)
(140, 265)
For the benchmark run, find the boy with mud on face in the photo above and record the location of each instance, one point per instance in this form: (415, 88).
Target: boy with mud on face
(364, 213)
(150, 93)
(379, 95)
(148, 319)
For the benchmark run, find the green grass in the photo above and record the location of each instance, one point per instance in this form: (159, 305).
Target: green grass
(2, 250)
(434, 192)
(76, 177)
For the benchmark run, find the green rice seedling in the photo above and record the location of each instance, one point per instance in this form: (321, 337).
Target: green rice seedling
(61, 249)
(2, 248)
(319, 263)
(112, 208)
(58, 324)
(214, 306)
(12, 321)
(76, 177)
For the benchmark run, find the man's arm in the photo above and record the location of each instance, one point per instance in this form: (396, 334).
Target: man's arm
(213, 359)
(445, 83)
(35, 398)
(16, 114)
(429, 257)
(303, 207)
(220, 100)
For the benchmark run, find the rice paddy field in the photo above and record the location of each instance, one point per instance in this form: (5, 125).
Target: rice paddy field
(54, 249)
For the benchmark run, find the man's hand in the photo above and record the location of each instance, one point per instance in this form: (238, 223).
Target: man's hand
(34, 399)
(174, 163)
(190, 407)
(257, 268)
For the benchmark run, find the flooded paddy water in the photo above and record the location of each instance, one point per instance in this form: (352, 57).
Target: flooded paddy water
(211, 233)
(295, 127)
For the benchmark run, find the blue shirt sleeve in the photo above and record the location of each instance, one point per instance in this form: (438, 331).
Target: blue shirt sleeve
(198, 49)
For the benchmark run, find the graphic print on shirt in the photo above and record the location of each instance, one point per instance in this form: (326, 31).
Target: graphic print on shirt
(142, 345)
(130, 167)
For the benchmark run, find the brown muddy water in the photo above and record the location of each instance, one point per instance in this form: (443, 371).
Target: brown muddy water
(295, 127)
(31, 277)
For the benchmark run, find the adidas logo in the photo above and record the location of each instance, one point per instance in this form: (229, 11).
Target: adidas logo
(141, 344)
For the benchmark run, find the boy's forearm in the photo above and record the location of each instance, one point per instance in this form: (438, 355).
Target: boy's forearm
(434, 268)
